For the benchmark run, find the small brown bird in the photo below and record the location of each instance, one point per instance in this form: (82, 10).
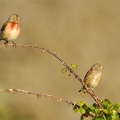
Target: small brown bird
(10, 30)
(92, 77)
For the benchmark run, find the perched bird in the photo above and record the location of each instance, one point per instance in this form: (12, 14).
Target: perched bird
(10, 30)
(92, 77)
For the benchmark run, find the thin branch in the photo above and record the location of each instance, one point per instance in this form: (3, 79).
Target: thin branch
(39, 95)
(63, 63)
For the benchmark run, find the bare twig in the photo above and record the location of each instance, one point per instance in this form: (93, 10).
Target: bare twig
(64, 63)
(39, 95)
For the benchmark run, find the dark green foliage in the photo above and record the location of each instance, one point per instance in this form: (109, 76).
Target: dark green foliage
(109, 111)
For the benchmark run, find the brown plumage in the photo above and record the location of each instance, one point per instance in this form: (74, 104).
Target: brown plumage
(10, 30)
(92, 77)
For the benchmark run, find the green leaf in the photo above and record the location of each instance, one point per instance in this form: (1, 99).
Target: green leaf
(64, 70)
(109, 111)
(80, 107)
(100, 118)
(81, 103)
(95, 105)
(79, 110)
(82, 111)
(105, 111)
(117, 106)
(91, 109)
(74, 66)
(106, 103)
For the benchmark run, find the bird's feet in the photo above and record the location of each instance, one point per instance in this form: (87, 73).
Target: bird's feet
(5, 43)
(14, 44)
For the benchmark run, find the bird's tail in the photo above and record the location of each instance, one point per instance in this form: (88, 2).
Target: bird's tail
(0, 36)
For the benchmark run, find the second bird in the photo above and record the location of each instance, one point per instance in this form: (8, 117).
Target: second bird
(10, 30)
(92, 77)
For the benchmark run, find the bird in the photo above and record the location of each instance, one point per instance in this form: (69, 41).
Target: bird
(10, 29)
(92, 77)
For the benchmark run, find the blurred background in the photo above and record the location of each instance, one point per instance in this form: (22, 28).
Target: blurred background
(81, 32)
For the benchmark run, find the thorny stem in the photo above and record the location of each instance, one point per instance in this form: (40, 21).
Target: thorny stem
(63, 63)
(39, 95)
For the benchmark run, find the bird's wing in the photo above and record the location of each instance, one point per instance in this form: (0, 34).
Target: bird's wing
(87, 75)
(90, 75)
(3, 27)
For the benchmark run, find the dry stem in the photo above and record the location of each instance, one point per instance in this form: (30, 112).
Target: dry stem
(64, 63)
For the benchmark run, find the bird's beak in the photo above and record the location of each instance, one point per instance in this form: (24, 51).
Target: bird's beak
(19, 18)
(102, 67)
